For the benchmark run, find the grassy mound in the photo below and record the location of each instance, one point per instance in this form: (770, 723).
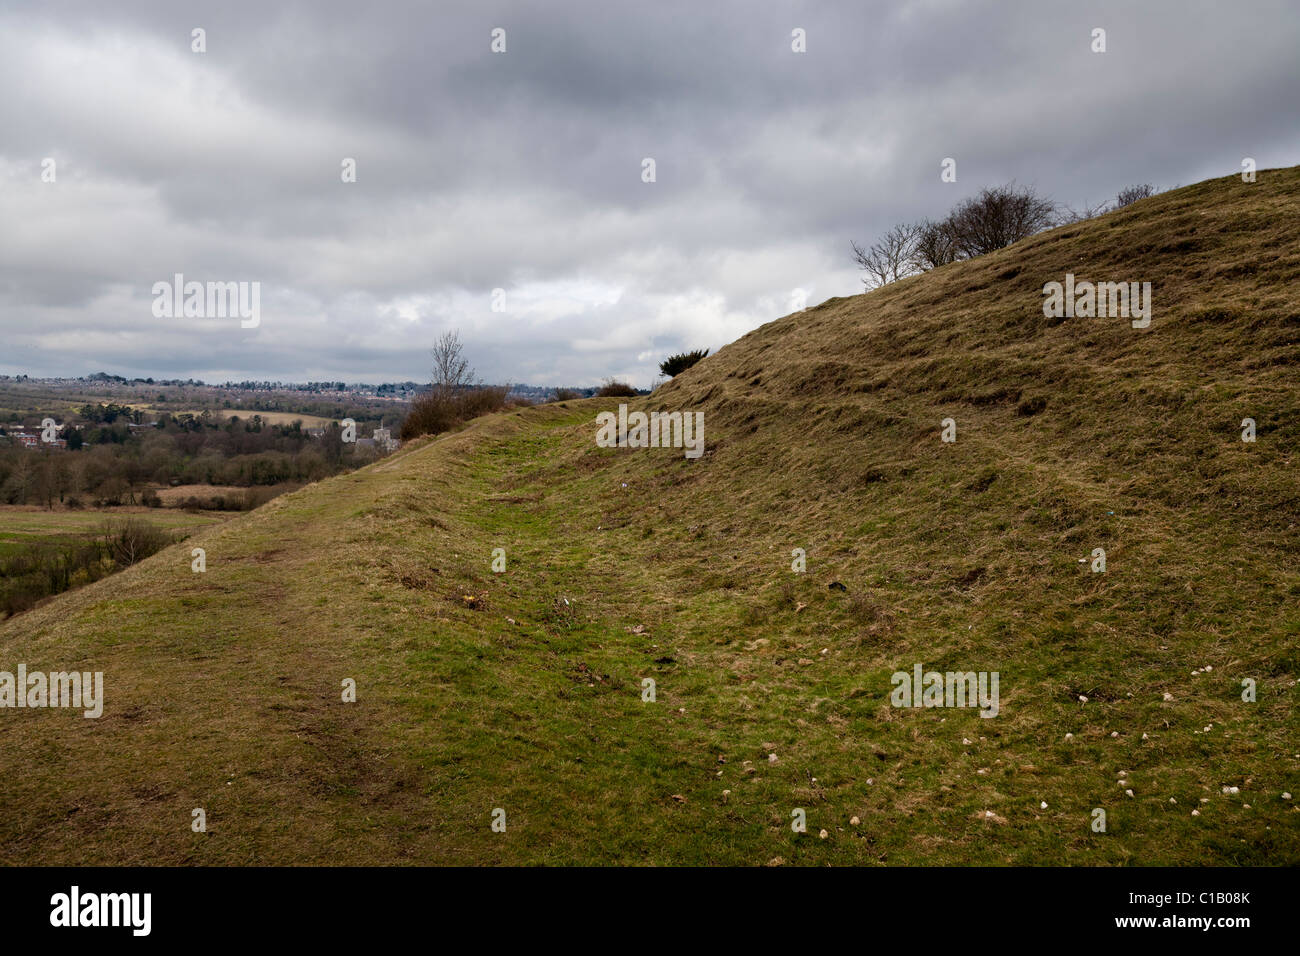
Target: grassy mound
(522, 690)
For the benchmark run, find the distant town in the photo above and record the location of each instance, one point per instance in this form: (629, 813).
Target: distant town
(104, 383)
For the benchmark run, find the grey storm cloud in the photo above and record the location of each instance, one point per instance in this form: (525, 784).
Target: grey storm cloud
(522, 171)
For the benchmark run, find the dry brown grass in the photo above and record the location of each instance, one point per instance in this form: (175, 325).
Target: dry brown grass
(174, 496)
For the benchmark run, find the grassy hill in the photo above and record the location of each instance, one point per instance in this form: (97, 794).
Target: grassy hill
(522, 690)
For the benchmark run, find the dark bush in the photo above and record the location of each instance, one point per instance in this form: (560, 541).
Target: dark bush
(675, 364)
(616, 389)
(567, 394)
(997, 217)
(442, 410)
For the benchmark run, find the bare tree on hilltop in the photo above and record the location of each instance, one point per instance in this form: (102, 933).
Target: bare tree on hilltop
(1133, 193)
(889, 259)
(997, 217)
(993, 219)
(935, 245)
(456, 394)
(451, 370)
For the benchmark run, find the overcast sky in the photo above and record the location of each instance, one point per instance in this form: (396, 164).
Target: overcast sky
(523, 170)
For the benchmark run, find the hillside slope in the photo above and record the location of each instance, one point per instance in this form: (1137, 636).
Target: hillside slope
(523, 690)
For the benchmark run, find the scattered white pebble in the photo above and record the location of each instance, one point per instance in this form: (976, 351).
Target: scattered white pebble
(1114, 733)
(1286, 796)
(1144, 736)
(854, 821)
(1231, 790)
(870, 781)
(1043, 805)
(1173, 800)
(771, 758)
(1196, 813)
(1082, 699)
(1069, 736)
(1209, 667)
(1205, 799)
(1128, 793)
(823, 834)
(965, 740)
(1169, 696)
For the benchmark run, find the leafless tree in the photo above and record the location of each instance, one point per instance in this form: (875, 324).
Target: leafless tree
(1068, 214)
(997, 217)
(43, 477)
(451, 371)
(935, 245)
(61, 477)
(1132, 194)
(889, 259)
(872, 263)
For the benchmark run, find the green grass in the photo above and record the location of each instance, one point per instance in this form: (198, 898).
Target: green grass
(522, 690)
(21, 526)
(43, 553)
